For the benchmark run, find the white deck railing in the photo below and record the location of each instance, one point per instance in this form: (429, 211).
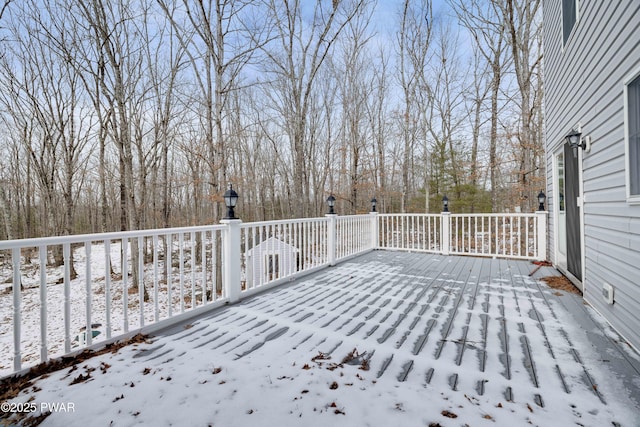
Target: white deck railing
(500, 235)
(413, 232)
(144, 280)
(273, 251)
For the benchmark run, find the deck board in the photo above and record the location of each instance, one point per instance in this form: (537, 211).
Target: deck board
(468, 320)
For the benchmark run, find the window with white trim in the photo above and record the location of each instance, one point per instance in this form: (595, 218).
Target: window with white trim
(569, 18)
(632, 91)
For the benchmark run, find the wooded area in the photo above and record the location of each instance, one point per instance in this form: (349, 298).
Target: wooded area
(131, 114)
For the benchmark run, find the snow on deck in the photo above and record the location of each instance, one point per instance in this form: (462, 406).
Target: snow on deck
(389, 338)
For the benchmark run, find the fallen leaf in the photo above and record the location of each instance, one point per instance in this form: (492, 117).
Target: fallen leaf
(320, 356)
(81, 378)
(448, 414)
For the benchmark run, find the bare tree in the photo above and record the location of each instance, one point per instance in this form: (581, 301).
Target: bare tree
(447, 113)
(351, 73)
(5, 205)
(45, 95)
(485, 22)
(294, 61)
(523, 25)
(413, 44)
(378, 121)
(220, 38)
(115, 46)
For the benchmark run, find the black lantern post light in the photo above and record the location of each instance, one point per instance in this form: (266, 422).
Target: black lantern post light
(576, 140)
(541, 199)
(445, 204)
(230, 199)
(331, 201)
(374, 202)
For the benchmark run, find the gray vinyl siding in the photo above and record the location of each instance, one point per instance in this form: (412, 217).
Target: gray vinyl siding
(584, 82)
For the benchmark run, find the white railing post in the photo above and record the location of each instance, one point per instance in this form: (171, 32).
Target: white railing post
(42, 252)
(231, 262)
(66, 254)
(445, 234)
(17, 320)
(88, 294)
(331, 238)
(542, 235)
(375, 244)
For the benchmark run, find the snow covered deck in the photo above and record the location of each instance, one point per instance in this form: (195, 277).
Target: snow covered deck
(388, 338)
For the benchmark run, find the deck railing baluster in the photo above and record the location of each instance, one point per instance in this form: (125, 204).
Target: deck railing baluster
(42, 252)
(125, 284)
(88, 294)
(66, 255)
(17, 321)
(203, 267)
(181, 258)
(141, 279)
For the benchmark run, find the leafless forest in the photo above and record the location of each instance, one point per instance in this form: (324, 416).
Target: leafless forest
(131, 114)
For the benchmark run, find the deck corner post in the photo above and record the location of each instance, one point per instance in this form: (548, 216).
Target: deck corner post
(375, 231)
(331, 238)
(542, 235)
(445, 234)
(231, 262)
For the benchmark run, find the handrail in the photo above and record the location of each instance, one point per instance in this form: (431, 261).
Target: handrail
(113, 235)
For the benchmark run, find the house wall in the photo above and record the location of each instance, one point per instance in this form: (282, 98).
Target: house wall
(584, 83)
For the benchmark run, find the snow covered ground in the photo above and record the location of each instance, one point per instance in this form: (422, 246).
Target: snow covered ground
(388, 339)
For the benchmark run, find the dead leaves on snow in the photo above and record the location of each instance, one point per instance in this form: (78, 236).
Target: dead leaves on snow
(561, 283)
(12, 386)
(448, 414)
(83, 378)
(322, 360)
(352, 358)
